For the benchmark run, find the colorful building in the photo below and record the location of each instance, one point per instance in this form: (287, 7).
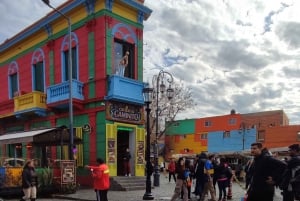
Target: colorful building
(108, 114)
(230, 133)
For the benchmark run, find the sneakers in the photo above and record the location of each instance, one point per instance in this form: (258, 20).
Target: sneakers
(125, 175)
(129, 175)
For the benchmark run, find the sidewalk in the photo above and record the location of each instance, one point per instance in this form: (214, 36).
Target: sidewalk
(162, 193)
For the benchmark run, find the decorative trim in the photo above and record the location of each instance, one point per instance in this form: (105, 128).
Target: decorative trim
(38, 55)
(49, 30)
(109, 4)
(13, 68)
(90, 6)
(117, 29)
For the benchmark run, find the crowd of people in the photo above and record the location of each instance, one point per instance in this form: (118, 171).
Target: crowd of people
(263, 173)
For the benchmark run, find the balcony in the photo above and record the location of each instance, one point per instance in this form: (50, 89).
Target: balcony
(34, 102)
(58, 95)
(124, 89)
(7, 108)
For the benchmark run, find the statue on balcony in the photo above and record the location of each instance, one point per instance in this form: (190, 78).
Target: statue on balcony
(123, 64)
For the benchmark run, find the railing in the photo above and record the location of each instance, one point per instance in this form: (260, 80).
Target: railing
(60, 92)
(29, 101)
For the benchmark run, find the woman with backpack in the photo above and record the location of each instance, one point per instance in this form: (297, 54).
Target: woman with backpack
(181, 183)
(223, 175)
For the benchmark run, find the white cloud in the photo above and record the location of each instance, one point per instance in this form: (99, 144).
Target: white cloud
(234, 54)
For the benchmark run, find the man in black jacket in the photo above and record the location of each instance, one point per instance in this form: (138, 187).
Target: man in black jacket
(291, 176)
(267, 172)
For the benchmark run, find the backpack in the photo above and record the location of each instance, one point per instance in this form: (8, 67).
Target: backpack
(295, 182)
(186, 174)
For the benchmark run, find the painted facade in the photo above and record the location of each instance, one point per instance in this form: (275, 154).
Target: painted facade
(230, 133)
(108, 108)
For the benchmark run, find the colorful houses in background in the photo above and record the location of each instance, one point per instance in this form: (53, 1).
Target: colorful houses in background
(230, 133)
(108, 112)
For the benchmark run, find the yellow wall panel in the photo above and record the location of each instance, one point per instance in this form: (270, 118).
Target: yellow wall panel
(111, 134)
(100, 5)
(125, 12)
(140, 152)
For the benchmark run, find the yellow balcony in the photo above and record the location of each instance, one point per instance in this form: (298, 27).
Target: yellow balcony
(34, 102)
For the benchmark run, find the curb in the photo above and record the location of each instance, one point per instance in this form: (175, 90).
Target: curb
(63, 197)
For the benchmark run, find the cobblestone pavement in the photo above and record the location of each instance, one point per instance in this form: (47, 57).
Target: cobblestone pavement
(162, 193)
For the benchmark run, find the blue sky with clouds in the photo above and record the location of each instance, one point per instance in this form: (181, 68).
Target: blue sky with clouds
(233, 54)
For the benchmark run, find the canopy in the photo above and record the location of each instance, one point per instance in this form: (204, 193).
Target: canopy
(48, 137)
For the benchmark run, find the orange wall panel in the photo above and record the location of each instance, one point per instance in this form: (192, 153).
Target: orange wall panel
(281, 136)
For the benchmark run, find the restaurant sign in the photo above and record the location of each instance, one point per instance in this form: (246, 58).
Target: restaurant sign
(124, 112)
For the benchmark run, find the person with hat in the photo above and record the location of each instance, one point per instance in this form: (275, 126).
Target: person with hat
(291, 177)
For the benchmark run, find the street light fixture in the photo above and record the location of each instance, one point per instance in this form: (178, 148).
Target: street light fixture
(147, 93)
(71, 145)
(161, 77)
(242, 131)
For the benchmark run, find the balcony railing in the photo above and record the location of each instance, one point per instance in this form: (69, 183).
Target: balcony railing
(60, 92)
(30, 102)
(125, 90)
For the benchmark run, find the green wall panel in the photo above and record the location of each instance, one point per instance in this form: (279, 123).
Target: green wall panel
(181, 127)
(101, 135)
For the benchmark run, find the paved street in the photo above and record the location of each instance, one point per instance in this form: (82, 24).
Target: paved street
(162, 193)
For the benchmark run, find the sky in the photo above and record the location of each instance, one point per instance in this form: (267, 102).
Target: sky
(232, 54)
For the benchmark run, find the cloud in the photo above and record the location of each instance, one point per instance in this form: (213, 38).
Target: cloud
(233, 54)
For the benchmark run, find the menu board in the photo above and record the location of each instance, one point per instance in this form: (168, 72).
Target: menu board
(111, 143)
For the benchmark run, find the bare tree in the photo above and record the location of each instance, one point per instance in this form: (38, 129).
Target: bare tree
(168, 109)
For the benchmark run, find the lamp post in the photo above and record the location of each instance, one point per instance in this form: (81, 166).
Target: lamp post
(147, 92)
(158, 81)
(242, 131)
(71, 145)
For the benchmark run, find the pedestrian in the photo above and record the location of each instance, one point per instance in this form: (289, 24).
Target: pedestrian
(29, 181)
(181, 183)
(101, 183)
(171, 169)
(188, 178)
(223, 175)
(208, 186)
(126, 162)
(291, 176)
(249, 172)
(267, 172)
(199, 174)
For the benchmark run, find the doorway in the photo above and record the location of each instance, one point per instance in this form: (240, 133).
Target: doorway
(122, 145)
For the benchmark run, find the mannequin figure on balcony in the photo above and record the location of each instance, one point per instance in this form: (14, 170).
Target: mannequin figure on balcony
(123, 64)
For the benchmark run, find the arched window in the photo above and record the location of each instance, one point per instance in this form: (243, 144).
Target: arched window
(65, 57)
(13, 79)
(125, 40)
(38, 70)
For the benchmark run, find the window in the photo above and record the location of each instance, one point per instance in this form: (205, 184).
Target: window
(203, 136)
(298, 136)
(38, 77)
(13, 83)
(74, 64)
(65, 57)
(120, 49)
(226, 134)
(207, 123)
(261, 135)
(232, 121)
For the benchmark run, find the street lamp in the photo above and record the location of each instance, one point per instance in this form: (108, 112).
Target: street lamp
(242, 131)
(147, 93)
(71, 145)
(159, 82)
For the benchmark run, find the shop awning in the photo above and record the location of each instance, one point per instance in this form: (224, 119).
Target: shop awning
(48, 137)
